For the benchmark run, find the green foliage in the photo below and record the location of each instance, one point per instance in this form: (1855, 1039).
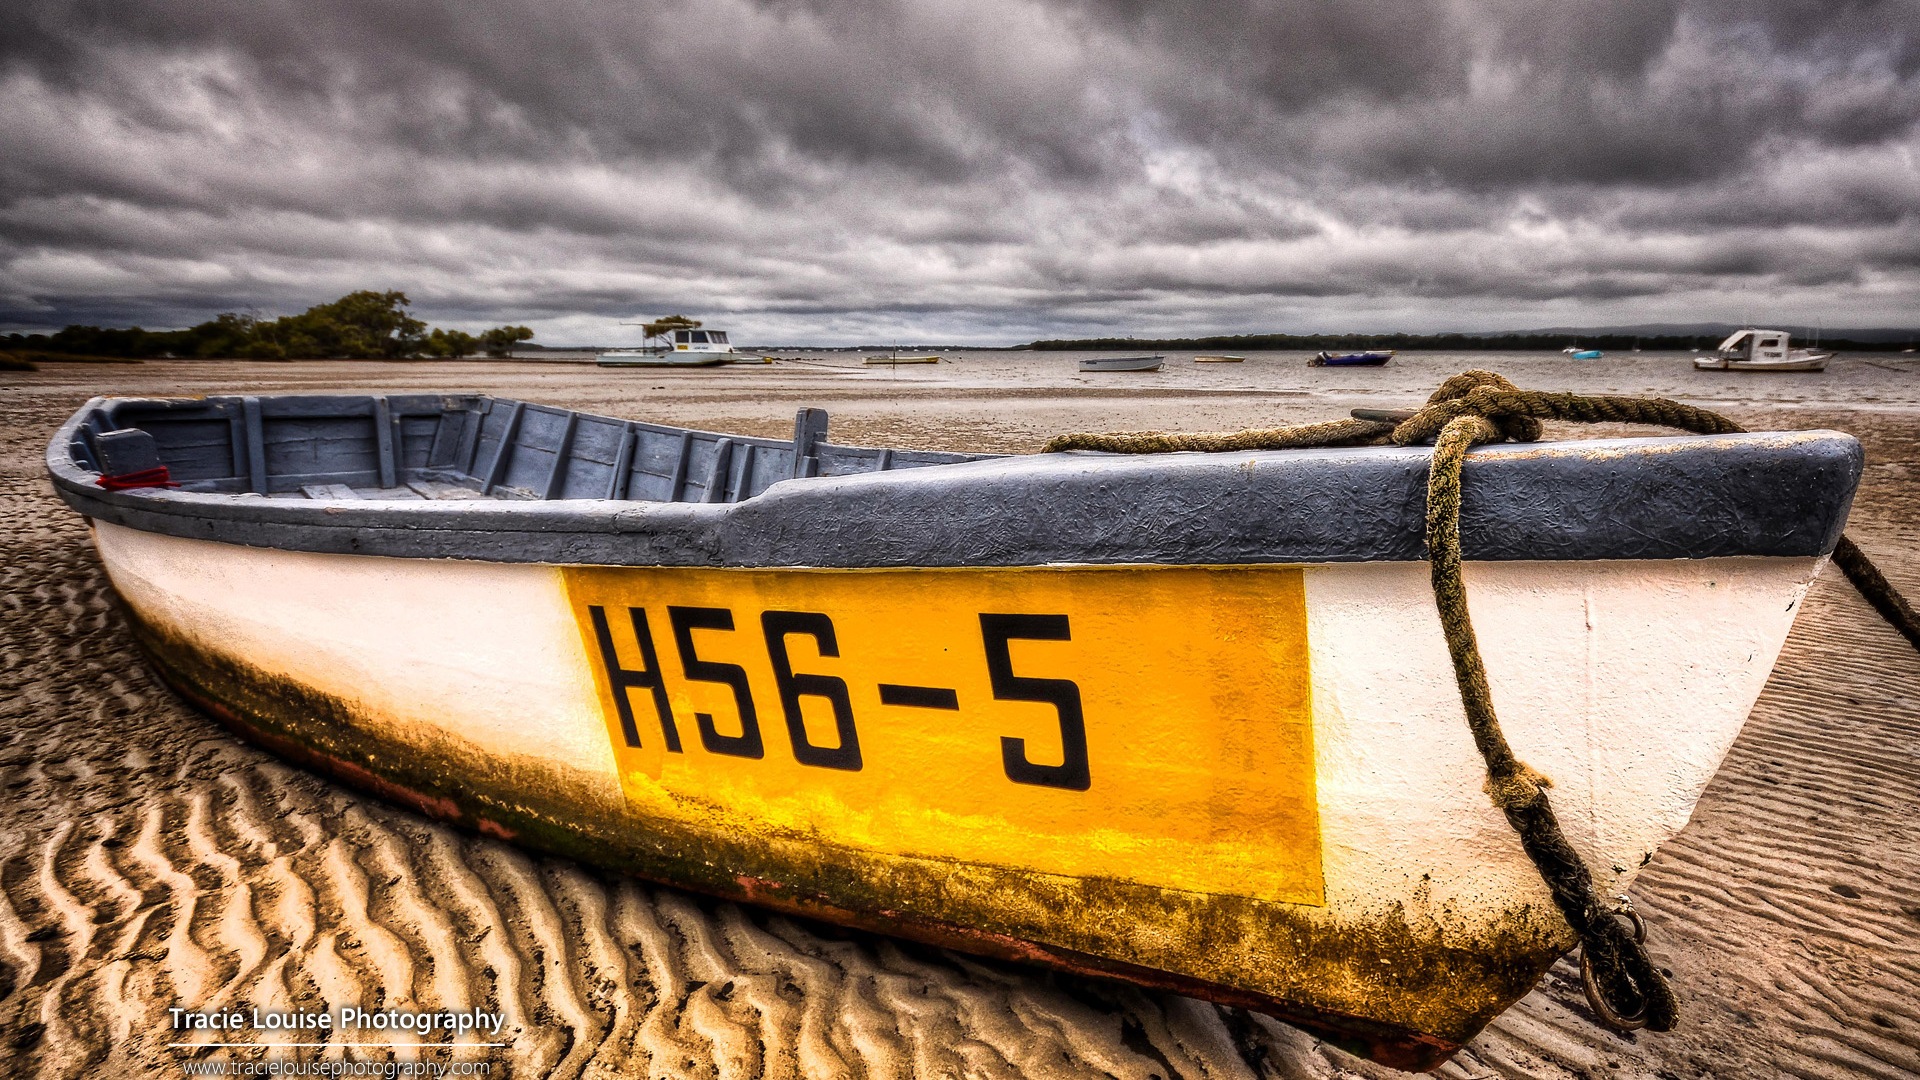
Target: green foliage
(363, 325)
(500, 340)
(669, 324)
(451, 343)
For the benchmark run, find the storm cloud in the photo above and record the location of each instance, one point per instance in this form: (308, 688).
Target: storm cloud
(963, 170)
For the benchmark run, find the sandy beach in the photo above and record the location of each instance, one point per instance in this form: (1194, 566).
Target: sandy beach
(151, 860)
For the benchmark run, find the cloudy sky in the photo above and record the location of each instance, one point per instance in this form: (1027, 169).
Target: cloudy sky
(981, 171)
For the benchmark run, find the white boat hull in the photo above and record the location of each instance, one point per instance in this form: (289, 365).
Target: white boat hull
(1800, 360)
(1624, 681)
(642, 359)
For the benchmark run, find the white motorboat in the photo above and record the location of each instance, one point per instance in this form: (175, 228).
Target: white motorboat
(674, 343)
(1761, 350)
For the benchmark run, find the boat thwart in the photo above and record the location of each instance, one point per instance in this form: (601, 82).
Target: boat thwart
(908, 691)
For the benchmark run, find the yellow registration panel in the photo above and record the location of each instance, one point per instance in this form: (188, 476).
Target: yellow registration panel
(1145, 724)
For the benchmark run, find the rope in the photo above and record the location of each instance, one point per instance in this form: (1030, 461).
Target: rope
(1884, 597)
(1625, 987)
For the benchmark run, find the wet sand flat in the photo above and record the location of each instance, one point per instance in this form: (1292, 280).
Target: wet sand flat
(149, 860)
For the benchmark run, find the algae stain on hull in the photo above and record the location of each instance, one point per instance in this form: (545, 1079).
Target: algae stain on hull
(1400, 994)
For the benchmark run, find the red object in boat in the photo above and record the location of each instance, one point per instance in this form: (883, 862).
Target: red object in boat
(145, 478)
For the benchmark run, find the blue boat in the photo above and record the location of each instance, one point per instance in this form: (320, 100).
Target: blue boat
(1584, 354)
(1372, 358)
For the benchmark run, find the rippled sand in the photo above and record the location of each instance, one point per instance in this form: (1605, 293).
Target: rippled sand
(150, 860)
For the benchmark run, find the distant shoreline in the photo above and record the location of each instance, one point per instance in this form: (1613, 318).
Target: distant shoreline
(1894, 341)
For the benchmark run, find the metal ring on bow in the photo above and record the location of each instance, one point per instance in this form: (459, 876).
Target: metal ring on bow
(1594, 999)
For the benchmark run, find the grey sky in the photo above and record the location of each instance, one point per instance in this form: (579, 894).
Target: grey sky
(963, 170)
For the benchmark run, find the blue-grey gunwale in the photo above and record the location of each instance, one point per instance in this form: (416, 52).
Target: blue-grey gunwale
(475, 477)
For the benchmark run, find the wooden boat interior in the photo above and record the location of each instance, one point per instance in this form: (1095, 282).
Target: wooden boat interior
(434, 446)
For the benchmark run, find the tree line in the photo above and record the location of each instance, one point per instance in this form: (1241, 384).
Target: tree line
(363, 325)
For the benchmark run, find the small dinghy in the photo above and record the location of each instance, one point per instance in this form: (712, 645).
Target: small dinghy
(1183, 719)
(1372, 358)
(902, 358)
(1219, 359)
(1123, 363)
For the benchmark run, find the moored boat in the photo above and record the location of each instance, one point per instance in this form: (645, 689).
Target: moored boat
(1761, 350)
(675, 341)
(906, 358)
(907, 690)
(1584, 354)
(1219, 359)
(659, 358)
(1123, 363)
(1369, 358)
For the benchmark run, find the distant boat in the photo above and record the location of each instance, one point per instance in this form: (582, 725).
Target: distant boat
(656, 358)
(681, 347)
(1370, 358)
(1218, 359)
(1123, 363)
(1761, 350)
(1586, 354)
(897, 358)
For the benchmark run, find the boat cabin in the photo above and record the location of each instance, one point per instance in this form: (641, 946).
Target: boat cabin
(1755, 345)
(701, 341)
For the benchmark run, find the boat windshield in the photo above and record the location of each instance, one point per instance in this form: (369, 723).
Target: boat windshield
(718, 337)
(1733, 340)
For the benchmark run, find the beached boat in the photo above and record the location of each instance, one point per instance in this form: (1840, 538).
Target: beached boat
(1370, 358)
(1123, 363)
(1584, 354)
(677, 346)
(1761, 350)
(1219, 359)
(1183, 719)
(900, 358)
(659, 358)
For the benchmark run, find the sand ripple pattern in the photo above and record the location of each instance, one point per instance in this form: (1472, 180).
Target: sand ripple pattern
(148, 860)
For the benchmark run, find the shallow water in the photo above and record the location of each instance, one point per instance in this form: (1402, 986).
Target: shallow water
(1889, 379)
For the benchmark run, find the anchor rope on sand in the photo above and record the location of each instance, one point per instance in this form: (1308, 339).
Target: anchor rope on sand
(1625, 987)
